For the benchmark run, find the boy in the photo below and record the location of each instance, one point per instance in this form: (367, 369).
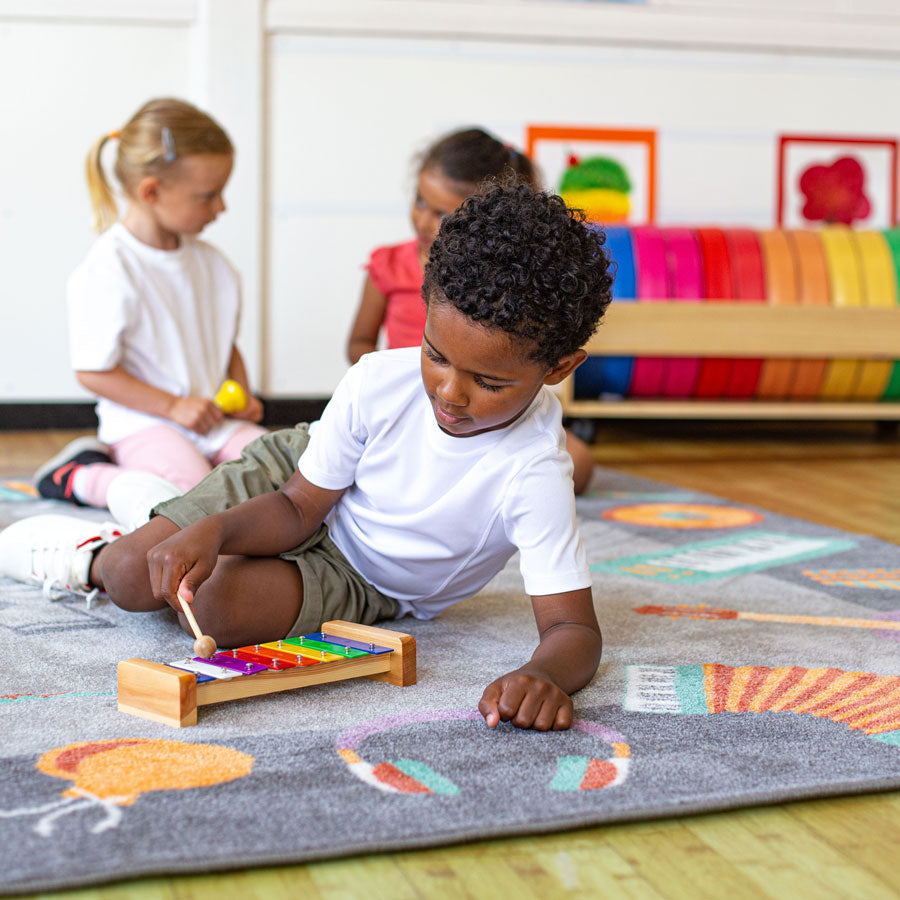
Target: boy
(428, 469)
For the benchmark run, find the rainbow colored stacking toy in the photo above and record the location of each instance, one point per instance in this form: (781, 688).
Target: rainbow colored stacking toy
(835, 267)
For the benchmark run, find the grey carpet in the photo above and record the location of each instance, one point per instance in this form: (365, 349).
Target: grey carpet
(685, 715)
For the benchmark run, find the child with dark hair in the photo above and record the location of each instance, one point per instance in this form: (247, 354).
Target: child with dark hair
(450, 170)
(428, 470)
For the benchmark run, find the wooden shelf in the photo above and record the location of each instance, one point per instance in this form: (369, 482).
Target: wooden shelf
(719, 328)
(741, 330)
(725, 409)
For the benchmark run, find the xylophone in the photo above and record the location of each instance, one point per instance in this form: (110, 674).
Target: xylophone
(171, 693)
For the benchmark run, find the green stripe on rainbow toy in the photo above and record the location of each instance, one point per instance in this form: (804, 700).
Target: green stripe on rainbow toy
(892, 236)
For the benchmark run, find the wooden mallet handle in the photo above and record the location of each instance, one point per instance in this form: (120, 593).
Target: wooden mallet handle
(204, 646)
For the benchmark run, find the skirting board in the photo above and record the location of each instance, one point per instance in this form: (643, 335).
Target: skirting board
(279, 412)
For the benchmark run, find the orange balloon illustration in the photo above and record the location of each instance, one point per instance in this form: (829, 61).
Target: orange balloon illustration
(108, 775)
(123, 769)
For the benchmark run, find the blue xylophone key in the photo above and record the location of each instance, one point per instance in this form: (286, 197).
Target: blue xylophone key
(344, 642)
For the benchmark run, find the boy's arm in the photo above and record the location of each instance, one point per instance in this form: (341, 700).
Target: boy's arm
(261, 526)
(536, 695)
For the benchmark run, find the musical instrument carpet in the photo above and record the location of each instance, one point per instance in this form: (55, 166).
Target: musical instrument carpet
(749, 658)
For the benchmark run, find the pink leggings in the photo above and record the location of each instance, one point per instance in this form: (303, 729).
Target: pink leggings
(165, 452)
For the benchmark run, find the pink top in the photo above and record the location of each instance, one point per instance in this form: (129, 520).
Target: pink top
(396, 272)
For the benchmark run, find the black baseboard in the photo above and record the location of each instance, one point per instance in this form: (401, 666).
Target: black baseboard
(31, 416)
(279, 411)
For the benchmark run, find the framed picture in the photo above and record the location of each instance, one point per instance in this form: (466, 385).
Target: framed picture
(827, 179)
(610, 173)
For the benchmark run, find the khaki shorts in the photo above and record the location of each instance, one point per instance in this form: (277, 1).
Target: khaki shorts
(332, 588)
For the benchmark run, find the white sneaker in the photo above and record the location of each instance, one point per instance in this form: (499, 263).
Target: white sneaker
(132, 495)
(54, 551)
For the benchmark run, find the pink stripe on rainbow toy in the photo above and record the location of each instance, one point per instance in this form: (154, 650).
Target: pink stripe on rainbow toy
(651, 273)
(685, 271)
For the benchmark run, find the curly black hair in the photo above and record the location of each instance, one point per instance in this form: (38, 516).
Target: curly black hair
(521, 261)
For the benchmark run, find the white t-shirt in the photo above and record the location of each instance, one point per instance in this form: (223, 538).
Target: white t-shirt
(429, 518)
(169, 317)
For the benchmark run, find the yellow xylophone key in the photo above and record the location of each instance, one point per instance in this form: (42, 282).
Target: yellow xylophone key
(297, 650)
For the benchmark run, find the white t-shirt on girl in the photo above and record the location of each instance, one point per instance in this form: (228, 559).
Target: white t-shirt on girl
(429, 518)
(169, 317)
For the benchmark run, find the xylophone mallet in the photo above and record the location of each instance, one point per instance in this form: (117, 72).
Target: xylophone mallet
(204, 646)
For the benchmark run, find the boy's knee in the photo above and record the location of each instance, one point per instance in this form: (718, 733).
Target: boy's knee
(122, 566)
(248, 601)
(215, 611)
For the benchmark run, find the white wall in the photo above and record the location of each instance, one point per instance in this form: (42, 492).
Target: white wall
(327, 100)
(71, 72)
(59, 95)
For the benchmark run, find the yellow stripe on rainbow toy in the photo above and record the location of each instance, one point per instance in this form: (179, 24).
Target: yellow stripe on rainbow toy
(879, 285)
(841, 375)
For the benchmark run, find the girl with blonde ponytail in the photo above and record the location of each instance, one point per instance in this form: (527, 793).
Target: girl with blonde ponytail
(153, 318)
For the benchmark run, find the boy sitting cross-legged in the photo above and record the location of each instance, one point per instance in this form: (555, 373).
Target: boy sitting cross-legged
(429, 469)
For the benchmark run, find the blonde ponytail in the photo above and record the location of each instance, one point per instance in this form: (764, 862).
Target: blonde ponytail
(103, 201)
(160, 134)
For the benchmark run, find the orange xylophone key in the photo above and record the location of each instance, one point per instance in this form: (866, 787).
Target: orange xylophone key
(277, 651)
(262, 658)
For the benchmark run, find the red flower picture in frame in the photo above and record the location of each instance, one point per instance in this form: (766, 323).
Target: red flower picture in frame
(825, 180)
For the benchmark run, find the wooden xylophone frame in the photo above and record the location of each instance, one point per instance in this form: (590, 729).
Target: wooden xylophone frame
(171, 696)
(753, 330)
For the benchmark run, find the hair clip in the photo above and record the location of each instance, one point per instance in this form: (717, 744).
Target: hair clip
(168, 145)
(113, 135)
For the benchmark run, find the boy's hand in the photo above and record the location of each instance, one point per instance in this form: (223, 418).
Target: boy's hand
(197, 414)
(181, 563)
(528, 700)
(536, 695)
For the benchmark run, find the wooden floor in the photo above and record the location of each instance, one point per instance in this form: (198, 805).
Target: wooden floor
(846, 476)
